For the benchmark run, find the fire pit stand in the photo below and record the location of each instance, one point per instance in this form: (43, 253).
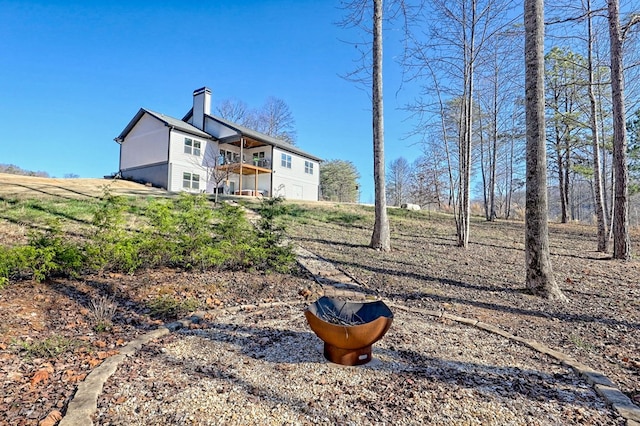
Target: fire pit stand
(348, 329)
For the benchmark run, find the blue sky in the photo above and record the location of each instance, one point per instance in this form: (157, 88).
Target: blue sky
(73, 73)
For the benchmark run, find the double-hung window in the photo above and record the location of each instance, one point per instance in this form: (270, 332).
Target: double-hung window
(285, 161)
(191, 181)
(191, 147)
(308, 167)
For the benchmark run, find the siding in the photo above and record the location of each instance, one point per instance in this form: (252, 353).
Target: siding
(294, 183)
(181, 162)
(155, 174)
(145, 144)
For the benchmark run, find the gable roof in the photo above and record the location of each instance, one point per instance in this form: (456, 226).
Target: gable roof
(168, 121)
(278, 143)
(258, 136)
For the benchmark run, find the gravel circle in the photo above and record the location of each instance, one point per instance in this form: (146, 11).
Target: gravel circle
(265, 366)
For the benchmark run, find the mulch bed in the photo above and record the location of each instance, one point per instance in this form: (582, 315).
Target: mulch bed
(37, 384)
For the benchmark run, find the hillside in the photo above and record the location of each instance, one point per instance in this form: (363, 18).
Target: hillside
(49, 342)
(18, 186)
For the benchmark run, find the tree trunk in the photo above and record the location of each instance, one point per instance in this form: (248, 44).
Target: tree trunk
(566, 162)
(467, 131)
(539, 274)
(597, 175)
(561, 187)
(484, 172)
(621, 242)
(494, 153)
(381, 238)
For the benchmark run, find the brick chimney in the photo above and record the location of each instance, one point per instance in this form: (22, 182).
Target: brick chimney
(201, 106)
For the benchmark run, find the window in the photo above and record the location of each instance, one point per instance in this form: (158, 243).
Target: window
(285, 161)
(191, 147)
(191, 181)
(229, 157)
(308, 167)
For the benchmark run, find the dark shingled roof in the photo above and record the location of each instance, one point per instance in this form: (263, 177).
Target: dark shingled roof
(245, 131)
(261, 137)
(168, 121)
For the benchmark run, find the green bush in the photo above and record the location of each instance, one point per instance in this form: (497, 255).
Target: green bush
(51, 255)
(110, 246)
(50, 347)
(184, 232)
(169, 307)
(46, 255)
(5, 266)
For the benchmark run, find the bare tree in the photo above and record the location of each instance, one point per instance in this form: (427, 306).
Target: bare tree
(428, 183)
(539, 274)
(275, 119)
(233, 110)
(210, 163)
(455, 46)
(398, 181)
(381, 238)
(370, 71)
(621, 241)
(595, 140)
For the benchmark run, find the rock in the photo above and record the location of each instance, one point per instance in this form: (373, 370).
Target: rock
(408, 206)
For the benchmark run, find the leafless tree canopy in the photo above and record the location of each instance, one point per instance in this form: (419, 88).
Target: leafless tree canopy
(274, 118)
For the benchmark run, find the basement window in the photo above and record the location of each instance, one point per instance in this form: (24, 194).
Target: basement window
(191, 181)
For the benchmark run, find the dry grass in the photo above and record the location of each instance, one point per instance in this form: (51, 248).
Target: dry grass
(600, 325)
(20, 187)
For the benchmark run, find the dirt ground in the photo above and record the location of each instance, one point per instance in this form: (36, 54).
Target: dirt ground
(600, 325)
(35, 385)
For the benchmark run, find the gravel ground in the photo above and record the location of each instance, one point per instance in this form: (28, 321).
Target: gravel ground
(266, 367)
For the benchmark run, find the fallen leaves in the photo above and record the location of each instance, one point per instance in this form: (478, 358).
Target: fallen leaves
(53, 418)
(73, 376)
(42, 375)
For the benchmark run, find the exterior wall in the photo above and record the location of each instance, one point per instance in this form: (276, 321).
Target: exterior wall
(146, 143)
(153, 152)
(180, 162)
(155, 174)
(294, 183)
(249, 153)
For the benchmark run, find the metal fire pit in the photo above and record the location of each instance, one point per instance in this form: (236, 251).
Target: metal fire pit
(348, 329)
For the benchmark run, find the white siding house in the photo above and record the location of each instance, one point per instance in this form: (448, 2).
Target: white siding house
(205, 153)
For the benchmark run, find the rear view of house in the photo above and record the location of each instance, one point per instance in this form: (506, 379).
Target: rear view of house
(205, 153)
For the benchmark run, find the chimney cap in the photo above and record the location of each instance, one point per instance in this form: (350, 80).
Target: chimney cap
(201, 90)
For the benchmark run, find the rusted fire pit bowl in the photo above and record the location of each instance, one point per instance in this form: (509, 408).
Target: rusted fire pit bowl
(348, 329)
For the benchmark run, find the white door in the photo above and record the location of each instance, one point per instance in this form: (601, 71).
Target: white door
(297, 192)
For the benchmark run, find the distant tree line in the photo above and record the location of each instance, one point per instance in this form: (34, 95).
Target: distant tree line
(15, 170)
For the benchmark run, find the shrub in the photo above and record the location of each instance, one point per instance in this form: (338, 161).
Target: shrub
(50, 347)
(169, 307)
(185, 232)
(51, 255)
(5, 266)
(102, 310)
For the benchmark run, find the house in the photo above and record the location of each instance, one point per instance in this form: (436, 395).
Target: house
(205, 153)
